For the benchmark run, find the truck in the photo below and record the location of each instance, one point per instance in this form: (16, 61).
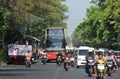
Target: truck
(18, 49)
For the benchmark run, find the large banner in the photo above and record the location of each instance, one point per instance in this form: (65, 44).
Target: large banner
(18, 50)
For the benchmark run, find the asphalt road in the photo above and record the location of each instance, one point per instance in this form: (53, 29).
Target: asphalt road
(48, 71)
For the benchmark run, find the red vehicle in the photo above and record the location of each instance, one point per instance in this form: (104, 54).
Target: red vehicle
(55, 42)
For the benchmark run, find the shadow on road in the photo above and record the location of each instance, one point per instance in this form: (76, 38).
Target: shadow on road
(11, 74)
(26, 70)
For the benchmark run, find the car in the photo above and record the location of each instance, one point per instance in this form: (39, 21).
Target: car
(81, 55)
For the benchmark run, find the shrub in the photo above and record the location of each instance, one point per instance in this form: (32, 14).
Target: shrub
(3, 55)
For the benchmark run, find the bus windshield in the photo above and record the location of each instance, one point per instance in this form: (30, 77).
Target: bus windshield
(55, 34)
(55, 38)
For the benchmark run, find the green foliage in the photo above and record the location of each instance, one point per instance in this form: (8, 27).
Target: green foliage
(101, 28)
(3, 55)
(30, 16)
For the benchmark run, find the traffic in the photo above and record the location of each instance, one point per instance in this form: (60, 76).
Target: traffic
(96, 62)
(58, 39)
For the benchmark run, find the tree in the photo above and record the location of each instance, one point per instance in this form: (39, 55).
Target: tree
(101, 27)
(32, 17)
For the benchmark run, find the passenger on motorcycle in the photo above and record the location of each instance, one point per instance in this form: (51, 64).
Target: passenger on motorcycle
(90, 56)
(100, 59)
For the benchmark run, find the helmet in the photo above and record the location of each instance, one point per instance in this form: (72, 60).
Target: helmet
(101, 50)
(28, 51)
(109, 53)
(115, 53)
(100, 53)
(90, 52)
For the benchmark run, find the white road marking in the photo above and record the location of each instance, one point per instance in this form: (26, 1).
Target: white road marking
(56, 73)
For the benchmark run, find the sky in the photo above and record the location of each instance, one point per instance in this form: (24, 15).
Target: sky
(76, 13)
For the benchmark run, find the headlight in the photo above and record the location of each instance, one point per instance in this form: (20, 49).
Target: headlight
(90, 60)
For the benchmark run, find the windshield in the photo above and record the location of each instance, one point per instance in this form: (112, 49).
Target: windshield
(55, 39)
(54, 43)
(83, 52)
(55, 34)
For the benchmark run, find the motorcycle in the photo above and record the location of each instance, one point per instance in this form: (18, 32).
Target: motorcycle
(59, 60)
(33, 60)
(100, 71)
(66, 64)
(44, 60)
(109, 67)
(90, 64)
(27, 63)
(72, 61)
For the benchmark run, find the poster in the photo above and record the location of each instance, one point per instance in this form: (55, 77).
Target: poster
(18, 50)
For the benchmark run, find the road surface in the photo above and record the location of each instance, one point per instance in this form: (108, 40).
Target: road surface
(48, 71)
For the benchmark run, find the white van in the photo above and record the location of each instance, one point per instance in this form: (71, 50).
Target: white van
(81, 55)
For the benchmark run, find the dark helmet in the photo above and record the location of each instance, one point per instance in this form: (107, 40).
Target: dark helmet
(109, 53)
(28, 51)
(115, 53)
(90, 53)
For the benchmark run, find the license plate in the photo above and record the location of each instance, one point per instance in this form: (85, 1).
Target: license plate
(110, 65)
(72, 59)
(90, 60)
(101, 66)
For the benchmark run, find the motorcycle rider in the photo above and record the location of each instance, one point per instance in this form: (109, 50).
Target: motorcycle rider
(44, 57)
(59, 54)
(67, 56)
(67, 59)
(109, 57)
(115, 56)
(100, 57)
(90, 56)
(28, 56)
(114, 60)
(43, 54)
(72, 54)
